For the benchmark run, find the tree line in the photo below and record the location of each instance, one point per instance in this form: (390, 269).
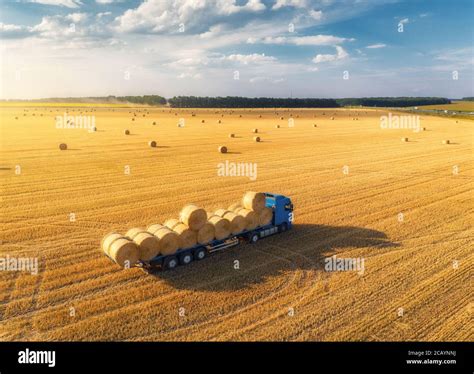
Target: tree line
(266, 102)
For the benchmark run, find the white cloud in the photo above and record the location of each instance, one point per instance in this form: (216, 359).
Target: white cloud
(65, 3)
(340, 55)
(189, 76)
(290, 3)
(300, 40)
(161, 16)
(254, 58)
(404, 20)
(376, 46)
(259, 79)
(104, 1)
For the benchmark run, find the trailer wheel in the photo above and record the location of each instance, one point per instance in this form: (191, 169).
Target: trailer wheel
(200, 254)
(254, 238)
(283, 227)
(170, 262)
(185, 258)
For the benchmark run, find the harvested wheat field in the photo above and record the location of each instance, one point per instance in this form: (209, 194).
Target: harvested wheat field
(404, 208)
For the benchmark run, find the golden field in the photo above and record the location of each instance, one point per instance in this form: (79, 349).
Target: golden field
(417, 283)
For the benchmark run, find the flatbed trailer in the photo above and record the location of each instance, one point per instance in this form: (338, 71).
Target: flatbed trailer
(281, 221)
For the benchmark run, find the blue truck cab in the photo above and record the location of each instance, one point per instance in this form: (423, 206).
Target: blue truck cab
(283, 210)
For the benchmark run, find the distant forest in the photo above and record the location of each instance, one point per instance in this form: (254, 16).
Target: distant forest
(257, 102)
(265, 102)
(468, 98)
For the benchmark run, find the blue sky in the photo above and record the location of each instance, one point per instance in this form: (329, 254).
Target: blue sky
(278, 48)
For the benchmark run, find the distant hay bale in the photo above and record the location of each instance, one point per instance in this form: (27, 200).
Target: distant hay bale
(221, 225)
(282, 118)
(265, 216)
(193, 216)
(63, 146)
(254, 201)
(446, 141)
(219, 121)
(124, 252)
(94, 129)
(314, 125)
(332, 118)
(203, 121)
(169, 240)
(277, 126)
(256, 139)
(237, 223)
(251, 218)
(255, 131)
(206, 233)
(152, 143)
(148, 244)
(404, 139)
(222, 149)
(231, 135)
(187, 237)
(240, 115)
(126, 132)
(154, 123)
(423, 129)
(133, 119)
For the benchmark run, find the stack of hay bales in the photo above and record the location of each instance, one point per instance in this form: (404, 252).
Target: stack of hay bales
(187, 237)
(194, 226)
(253, 209)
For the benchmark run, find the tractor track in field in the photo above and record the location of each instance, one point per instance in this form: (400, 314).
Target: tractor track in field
(295, 278)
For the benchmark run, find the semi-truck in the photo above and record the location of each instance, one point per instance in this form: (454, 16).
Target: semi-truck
(281, 221)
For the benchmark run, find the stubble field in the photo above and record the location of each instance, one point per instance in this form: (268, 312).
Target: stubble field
(417, 281)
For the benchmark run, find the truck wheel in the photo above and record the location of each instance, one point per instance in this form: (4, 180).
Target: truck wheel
(185, 258)
(283, 227)
(200, 254)
(254, 238)
(170, 262)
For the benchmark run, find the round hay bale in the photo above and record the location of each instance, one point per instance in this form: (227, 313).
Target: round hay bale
(94, 129)
(277, 126)
(234, 207)
(332, 118)
(152, 143)
(108, 239)
(187, 237)
(219, 121)
(255, 131)
(265, 216)
(154, 123)
(206, 233)
(231, 135)
(222, 149)
(148, 244)
(221, 226)
(423, 129)
(203, 121)
(63, 146)
(254, 201)
(237, 223)
(404, 139)
(314, 125)
(133, 119)
(445, 141)
(169, 240)
(124, 252)
(193, 216)
(251, 218)
(126, 132)
(256, 139)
